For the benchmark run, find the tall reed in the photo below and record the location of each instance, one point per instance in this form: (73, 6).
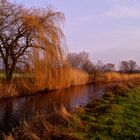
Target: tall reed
(115, 77)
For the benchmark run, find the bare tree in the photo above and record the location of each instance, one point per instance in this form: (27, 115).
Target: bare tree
(23, 29)
(124, 66)
(73, 60)
(109, 67)
(80, 61)
(133, 66)
(128, 66)
(97, 70)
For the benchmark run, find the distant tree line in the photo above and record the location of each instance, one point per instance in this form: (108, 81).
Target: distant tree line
(129, 67)
(82, 61)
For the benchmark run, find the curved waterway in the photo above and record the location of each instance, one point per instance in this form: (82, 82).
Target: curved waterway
(12, 111)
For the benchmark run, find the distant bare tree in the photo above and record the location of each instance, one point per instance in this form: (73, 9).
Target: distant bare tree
(23, 29)
(73, 60)
(109, 67)
(133, 66)
(128, 66)
(97, 70)
(124, 66)
(88, 67)
(80, 61)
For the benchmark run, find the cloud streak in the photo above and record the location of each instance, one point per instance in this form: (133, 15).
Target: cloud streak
(123, 12)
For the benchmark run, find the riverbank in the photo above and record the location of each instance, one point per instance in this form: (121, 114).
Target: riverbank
(115, 116)
(26, 85)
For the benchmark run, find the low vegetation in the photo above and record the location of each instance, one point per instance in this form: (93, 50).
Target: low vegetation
(60, 79)
(113, 117)
(117, 77)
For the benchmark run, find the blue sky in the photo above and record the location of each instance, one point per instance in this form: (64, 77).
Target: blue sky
(108, 29)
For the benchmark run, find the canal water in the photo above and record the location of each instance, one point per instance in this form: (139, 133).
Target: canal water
(12, 111)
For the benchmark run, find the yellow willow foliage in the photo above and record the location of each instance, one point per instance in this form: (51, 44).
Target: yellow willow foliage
(52, 74)
(45, 30)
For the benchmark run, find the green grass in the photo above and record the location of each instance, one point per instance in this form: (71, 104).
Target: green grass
(112, 118)
(15, 75)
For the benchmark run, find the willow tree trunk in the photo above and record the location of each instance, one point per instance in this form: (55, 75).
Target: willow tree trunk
(9, 70)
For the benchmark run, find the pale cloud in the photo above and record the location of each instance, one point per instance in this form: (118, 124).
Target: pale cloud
(123, 9)
(124, 2)
(117, 11)
(87, 18)
(123, 12)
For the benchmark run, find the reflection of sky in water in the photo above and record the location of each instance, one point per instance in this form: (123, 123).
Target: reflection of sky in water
(24, 108)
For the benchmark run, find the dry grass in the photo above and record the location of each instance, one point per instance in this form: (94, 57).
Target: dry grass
(59, 116)
(57, 79)
(118, 77)
(43, 127)
(8, 137)
(8, 90)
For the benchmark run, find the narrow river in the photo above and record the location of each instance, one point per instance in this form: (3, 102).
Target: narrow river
(12, 111)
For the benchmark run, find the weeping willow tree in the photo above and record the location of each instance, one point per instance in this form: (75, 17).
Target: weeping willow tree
(29, 31)
(46, 57)
(49, 65)
(35, 37)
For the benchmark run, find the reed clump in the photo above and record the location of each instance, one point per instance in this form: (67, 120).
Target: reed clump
(115, 77)
(121, 88)
(43, 127)
(8, 137)
(8, 90)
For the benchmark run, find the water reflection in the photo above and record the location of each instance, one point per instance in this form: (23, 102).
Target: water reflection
(15, 110)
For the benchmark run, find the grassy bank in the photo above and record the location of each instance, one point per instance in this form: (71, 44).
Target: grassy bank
(114, 117)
